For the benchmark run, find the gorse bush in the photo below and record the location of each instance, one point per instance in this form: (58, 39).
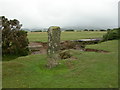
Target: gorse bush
(14, 40)
(112, 34)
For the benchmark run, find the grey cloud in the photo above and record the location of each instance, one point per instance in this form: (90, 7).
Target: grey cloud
(44, 13)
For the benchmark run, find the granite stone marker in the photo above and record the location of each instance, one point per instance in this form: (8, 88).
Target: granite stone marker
(54, 33)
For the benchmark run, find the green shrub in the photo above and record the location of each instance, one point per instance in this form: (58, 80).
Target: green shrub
(112, 34)
(14, 40)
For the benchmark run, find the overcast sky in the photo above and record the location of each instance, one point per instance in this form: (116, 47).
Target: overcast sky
(45, 13)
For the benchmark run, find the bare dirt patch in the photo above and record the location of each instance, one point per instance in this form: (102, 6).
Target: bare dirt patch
(38, 47)
(41, 47)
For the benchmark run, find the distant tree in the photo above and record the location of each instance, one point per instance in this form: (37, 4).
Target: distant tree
(70, 30)
(86, 30)
(14, 40)
(91, 30)
(102, 30)
(37, 31)
(108, 29)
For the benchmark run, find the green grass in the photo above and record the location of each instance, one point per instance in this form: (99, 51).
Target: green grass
(42, 36)
(9, 57)
(90, 70)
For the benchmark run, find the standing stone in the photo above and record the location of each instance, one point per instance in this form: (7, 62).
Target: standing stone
(53, 46)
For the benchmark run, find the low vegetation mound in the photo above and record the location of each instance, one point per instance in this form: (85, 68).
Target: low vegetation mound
(65, 54)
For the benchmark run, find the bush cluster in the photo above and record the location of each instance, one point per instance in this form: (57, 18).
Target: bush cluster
(112, 34)
(14, 40)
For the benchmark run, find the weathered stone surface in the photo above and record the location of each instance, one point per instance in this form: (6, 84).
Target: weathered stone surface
(53, 46)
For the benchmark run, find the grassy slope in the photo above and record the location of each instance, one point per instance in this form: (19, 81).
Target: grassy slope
(38, 36)
(90, 70)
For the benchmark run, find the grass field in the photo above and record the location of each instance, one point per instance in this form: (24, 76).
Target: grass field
(89, 70)
(42, 36)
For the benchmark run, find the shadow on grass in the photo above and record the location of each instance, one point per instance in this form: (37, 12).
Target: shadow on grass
(9, 57)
